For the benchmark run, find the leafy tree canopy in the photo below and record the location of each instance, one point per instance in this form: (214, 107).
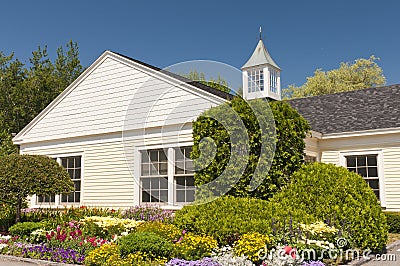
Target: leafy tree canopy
(25, 90)
(219, 84)
(24, 175)
(224, 155)
(362, 74)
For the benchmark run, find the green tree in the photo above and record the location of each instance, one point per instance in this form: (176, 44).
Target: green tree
(24, 175)
(26, 90)
(7, 147)
(283, 141)
(219, 84)
(362, 74)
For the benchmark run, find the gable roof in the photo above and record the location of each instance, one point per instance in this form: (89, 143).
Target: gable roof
(260, 56)
(360, 110)
(129, 65)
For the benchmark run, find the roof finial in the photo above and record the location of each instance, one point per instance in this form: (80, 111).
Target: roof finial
(260, 33)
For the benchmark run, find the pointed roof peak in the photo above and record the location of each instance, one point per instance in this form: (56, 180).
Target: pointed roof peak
(260, 56)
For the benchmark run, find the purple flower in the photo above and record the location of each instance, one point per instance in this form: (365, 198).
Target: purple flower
(313, 263)
(203, 262)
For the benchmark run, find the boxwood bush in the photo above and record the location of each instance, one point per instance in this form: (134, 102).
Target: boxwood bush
(25, 229)
(154, 246)
(393, 220)
(326, 191)
(226, 218)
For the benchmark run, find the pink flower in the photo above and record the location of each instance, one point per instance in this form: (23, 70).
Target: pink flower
(290, 251)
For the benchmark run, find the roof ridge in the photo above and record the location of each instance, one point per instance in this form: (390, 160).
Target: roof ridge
(197, 84)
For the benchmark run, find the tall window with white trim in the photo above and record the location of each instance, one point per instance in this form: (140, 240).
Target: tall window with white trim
(255, 80)
(154, 176)
(184, 176)
(367, 167)
(273, 79)
(73, 166)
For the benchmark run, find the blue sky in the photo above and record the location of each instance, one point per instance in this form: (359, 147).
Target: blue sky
(300, 35)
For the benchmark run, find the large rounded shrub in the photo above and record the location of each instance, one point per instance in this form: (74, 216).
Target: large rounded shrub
(326, 192)
(226, 218)
(154, 246)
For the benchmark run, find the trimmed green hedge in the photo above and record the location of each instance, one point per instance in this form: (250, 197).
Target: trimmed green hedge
(393, 220)
(227, 217)
(318, 192)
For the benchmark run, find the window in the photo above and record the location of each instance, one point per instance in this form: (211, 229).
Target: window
(256, 80)
(184, 176)
(367, 167)
(273, 77)
(73, 166)
(310, 159)
(154, 176)
(162, 181)
(46, 199)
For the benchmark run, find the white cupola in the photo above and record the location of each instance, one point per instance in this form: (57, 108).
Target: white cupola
(261, 75)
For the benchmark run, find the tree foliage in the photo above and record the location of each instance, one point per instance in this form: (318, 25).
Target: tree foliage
(25, 90)
(283, 142)
(362, 74)
(7, 147)
(219, 84)
(24, 175)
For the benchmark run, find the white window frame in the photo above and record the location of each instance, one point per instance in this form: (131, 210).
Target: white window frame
(58, 204)
(170, 147)
(379, 159)
(257, 84)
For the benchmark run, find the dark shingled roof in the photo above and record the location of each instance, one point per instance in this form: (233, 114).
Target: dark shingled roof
(222, 94)
(374, 108)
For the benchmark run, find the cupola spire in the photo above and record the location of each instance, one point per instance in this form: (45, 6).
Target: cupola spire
(261, 75)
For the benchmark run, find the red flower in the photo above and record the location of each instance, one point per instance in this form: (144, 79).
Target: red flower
(290, 251)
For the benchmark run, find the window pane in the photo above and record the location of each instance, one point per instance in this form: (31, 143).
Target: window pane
(145, 169)
(352, 169)
(71, 173)
(180, 181)
(164, 183)
(164, 195)
(77, 185)
(362, 172)
(154, 196)
(179, 167)
(71, 162)
(372, 172)
(351, 161)
(189, 166)
(77, 196)
(145, 196)
(77, 174)
(153, 169)
(70, 197)
(154, 183)
(154, 156)
(371, 160)
(163, 168)
(78, 162)
(145, 157)
(163, 157)
(374, 183)
(376, 193)
(146, 183)
(64, 197)
(180, 196)
(64, 162)
(190, 181)
(190, 196)
(361, 161)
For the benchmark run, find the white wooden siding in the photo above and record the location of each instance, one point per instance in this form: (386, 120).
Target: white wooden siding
(391, 162)
(106, 179)
(100, 102)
